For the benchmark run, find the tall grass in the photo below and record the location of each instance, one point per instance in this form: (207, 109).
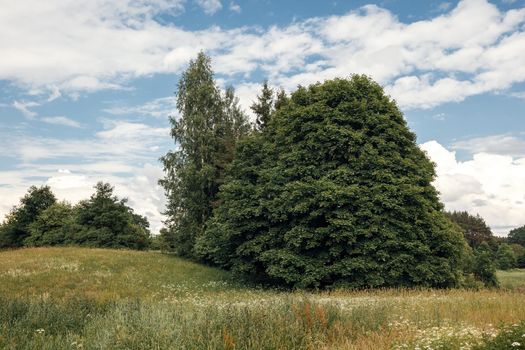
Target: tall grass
(134, 300)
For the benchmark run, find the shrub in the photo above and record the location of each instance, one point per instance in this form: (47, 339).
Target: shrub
(506, 258)
(484, 267)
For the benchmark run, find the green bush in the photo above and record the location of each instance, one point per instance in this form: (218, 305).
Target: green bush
(484, 267)
(506, 258)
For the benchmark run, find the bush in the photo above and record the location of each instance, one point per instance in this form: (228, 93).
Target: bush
(484, 267)
(506, 258)
(334, 192)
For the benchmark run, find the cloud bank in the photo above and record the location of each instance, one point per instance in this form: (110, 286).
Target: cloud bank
(101, 44)
(490, 184)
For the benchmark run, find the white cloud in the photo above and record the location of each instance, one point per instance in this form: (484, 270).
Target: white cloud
(102, 44)
(520, 94)
(444, 6)
(54, 94)
(235, 7)
(210, 6)
(23, 107)
(505, 145)
(159, 108)
(61, 120)
(489, 184)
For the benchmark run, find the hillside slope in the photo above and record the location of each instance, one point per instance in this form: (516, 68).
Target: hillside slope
(104, 274)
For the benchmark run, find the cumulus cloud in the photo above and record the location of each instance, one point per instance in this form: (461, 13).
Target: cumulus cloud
(490, 184)
(102, 44)
(210, 6)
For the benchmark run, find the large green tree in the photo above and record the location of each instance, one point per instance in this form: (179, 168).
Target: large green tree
(475, 230)
(15, 228)
(205, 135)
(335, 192)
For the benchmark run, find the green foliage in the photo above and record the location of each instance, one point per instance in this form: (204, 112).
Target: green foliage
(484, 267)
(335, 192)
(474, 228)
(505, 257)
(206, 135)
(16, 227)
(106, 221)
(263, 107)
(54, 226)
(517, 236)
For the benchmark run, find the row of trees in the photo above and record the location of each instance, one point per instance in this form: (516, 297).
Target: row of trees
(506, 252)
(103, 220)
(330, 188)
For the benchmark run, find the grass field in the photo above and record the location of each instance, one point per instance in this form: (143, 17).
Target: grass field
(512, 278)
(73, 298)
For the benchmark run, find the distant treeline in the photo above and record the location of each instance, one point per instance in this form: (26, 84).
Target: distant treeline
(504, 252)
(103, 220)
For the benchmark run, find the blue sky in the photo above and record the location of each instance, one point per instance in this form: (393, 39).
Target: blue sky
(86, 87)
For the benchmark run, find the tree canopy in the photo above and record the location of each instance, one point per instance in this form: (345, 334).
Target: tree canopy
(103, 220)
(517, 236)
(475, 230)
(15, 229)
(205, 135)
(334, 192)
(106, 221)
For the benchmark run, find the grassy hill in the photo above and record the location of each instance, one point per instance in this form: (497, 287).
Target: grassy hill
(104, 274)
(75, 298)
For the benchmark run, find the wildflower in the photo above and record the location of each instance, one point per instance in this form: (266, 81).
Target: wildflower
(515, 344)
(40, 330)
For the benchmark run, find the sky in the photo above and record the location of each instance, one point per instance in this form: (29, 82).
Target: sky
(86, 87)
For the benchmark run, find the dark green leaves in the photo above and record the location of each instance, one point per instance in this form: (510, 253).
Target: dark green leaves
(334, 192)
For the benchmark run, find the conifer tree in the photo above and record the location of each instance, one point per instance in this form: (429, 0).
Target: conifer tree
(264, 106)
(475, 230)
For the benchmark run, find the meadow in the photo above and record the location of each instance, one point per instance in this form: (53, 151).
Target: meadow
(78, 298)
